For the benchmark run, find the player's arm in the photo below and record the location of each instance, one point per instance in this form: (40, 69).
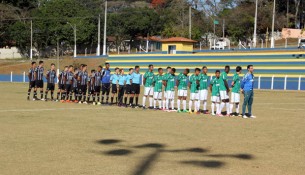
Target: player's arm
(30, 74)
(47, 74)
(35, 74)
(144, 79)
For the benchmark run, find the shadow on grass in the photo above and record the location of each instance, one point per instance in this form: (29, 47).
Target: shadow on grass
(158, 149)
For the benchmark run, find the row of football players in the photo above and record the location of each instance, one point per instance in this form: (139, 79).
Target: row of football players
(159, 88)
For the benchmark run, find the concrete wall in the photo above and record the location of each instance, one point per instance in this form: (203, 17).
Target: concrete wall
(11, 53)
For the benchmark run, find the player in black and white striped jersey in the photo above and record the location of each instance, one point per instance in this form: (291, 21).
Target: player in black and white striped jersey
(83, 78)
(97, 76)
(69, 83)
(61, 84)
(74, 85)
(50, 76)
(32, 79)
(39, 79)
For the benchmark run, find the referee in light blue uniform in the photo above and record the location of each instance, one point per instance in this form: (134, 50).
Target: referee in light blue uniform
(114, 80)
(247, 90)
(135, 86)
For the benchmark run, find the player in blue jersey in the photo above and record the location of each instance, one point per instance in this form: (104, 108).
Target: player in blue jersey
(121, 88)
(114, 87)
(128, 86)
(106, 74)
(135, 87)
(32, 79)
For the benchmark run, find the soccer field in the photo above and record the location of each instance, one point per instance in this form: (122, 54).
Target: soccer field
(41, 138)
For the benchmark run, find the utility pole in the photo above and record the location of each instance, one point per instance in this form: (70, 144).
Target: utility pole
(272, 33)
(57, 55)
(31, 49)
(255, 25)
(105, 28)
(190, 22)
(287, 14)
(74, 40)
(98, 36)
(223, 28)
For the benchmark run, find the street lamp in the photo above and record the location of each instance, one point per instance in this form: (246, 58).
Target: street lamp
(272, 32)
(105, 28)
(74, 29)
(255, 25)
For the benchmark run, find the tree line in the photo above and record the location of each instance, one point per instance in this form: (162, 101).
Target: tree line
(128, 19)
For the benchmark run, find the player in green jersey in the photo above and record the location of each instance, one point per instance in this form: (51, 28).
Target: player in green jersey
(214, 87)
(165, 76)
(224, 90)
(181, 83)
(158, 83)
(169, 84)
(203, 89)
(194, 86)
(148, 86)
(235, 94)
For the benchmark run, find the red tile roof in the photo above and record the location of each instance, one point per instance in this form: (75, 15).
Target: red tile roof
(178, 39)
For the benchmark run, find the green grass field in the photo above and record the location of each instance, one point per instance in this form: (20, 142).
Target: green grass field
(42, 138)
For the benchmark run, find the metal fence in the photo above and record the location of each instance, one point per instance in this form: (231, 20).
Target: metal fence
(273, 83)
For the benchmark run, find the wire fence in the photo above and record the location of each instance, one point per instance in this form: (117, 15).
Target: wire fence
(273, 83)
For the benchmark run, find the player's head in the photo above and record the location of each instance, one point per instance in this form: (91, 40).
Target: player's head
(197, 71)
(70, 68)
(66, 68)
(84, 67)
(168, 69)
(160, 71)
(238, 69)
(250, 68)
(92, 71)
(116, 70)
(130, 70)
(227, 69)
(204, 69)
(33, 64)
(81, 67)
(186, 71)
(217, 73)
(137, 68)
(40, 63)
(150, 67)
(121, 71)
(173, 70)
(52, 66)
(99, 68)
(75, 69)
(107, 65)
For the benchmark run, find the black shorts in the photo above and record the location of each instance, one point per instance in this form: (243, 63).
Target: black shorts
(128, 89)
(105, 87)
(97, 89)
(61, 86)
(114, 89)
(91, 90)
(135, 88)
(83, 89)
(74, 89)
(39, 84)
(32, 84)
(68, 87)
(50, 87)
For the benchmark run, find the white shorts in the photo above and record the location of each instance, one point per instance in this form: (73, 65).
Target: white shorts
(182, 93)
(215, 99)
(170, 95)
(235, 97)
(149, 91)
(224, 95)
(203, 95)
(194, 96)
(158, 95)
(165, 94)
